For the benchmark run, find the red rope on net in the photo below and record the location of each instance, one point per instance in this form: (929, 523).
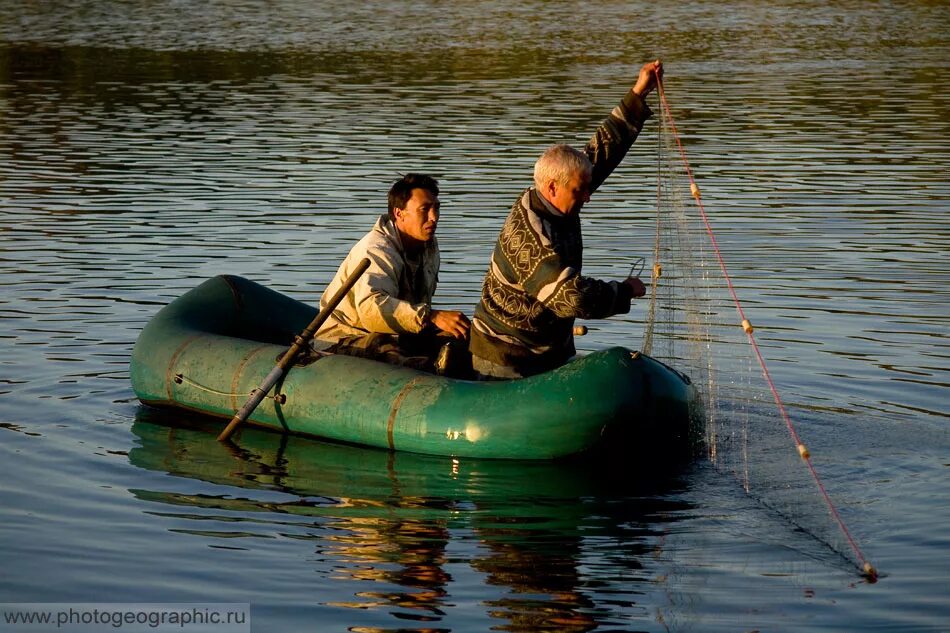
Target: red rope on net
(866, 566)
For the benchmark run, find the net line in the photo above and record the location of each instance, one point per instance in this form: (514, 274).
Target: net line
(689, 325)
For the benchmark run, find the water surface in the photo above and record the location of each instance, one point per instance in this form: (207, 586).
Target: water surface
(146, 146)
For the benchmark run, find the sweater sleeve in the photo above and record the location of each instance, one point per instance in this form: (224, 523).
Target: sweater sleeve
(376, 298)
(615, 135)
(567, 293)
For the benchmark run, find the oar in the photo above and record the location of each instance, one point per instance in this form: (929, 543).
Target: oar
(288, 358)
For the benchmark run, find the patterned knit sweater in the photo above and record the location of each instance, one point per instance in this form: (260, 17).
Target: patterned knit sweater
(534, 288)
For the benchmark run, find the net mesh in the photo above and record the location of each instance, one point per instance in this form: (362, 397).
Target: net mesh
(694, 323)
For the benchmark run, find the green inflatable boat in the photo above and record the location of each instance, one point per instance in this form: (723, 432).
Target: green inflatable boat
(207, 350)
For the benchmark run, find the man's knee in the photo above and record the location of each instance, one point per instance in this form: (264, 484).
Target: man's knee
(487, 370)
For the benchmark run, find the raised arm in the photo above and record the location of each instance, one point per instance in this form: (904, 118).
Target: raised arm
(620, 129)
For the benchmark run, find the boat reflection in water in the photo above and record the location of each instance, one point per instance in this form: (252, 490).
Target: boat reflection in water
(383, 521)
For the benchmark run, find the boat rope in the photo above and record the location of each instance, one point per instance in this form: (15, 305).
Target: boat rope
(803, 451)
(636, 269)
(181, 378)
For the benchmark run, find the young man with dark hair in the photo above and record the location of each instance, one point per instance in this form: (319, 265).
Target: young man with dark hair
(388, 314)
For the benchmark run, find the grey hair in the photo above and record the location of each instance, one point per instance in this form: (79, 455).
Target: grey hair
(560, 163)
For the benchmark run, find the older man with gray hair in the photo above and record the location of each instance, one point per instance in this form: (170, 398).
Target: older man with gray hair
(534, 288)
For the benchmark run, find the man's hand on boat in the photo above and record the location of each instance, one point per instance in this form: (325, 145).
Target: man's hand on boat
(451, 322)
(636, 286)
(646, 81)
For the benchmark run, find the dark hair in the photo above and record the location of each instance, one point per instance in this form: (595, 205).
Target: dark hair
(401, 190)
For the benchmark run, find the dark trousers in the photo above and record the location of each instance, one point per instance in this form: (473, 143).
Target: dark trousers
(427, 351)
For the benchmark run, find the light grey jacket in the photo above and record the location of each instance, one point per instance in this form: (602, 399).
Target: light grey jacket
(393, 296)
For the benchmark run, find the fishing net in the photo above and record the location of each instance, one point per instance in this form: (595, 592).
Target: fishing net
(696, 323)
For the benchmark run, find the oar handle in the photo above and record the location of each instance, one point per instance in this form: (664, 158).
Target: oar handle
(300, 341)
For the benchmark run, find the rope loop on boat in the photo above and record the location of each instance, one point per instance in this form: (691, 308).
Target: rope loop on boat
(636, 269)
(279, 398)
